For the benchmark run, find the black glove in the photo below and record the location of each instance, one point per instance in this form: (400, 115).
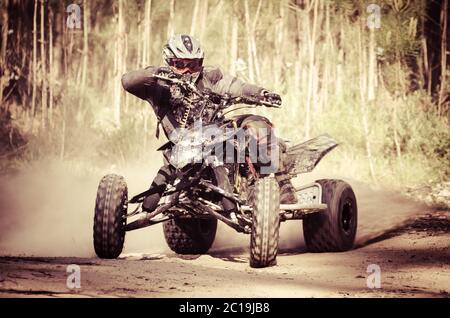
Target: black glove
(214, 97)
(164, 70)
(270, 97)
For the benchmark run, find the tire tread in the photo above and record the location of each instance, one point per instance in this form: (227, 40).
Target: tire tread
(109, 233)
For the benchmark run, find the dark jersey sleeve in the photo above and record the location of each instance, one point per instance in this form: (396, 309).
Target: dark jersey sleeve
(141, 83)
(224, 83)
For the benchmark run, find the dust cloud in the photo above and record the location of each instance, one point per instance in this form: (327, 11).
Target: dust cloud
(47, 210)
(379, 211)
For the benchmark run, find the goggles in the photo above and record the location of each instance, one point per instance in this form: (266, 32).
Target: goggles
(185, 65)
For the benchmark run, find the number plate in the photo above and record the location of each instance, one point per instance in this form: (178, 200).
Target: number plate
(309, 194)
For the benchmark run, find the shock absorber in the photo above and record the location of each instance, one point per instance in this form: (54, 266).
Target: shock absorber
(185, 116)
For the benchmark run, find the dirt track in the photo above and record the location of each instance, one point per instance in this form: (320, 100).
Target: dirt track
(414, 261)
(48, 225)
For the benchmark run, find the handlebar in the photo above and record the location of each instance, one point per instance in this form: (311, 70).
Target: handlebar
(185, 84)
(254, 101)
(224, 100)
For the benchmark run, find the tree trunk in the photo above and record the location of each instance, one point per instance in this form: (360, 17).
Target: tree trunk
(396, 139)
(170, 27)
(50, 68)
(311, 69)
(298, 57)
(140, 42)
(363, 100)
(4, 46)
(195, 17)
(443, 91)
(326, 63)
(253, 42)
(372, 68)
(234, 43)
(81, 98)
(226, 41)
(250, 65)
(146, 41)
(340, 58)
(119, 56)
(33, 96)
(43, 70)
(204, 18)
(422, 62)
(278, 40)
(124, 68)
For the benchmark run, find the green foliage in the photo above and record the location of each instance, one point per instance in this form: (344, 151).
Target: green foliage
(409, 142)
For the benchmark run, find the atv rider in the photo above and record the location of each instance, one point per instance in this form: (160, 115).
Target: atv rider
(184, 57)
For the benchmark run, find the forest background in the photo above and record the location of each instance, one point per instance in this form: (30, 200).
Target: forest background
(374, 75)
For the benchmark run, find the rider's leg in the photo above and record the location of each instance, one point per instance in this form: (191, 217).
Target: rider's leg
(255, 123)
(287, 190)
(163, 177)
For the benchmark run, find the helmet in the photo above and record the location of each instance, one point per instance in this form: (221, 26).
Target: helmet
(183, 54)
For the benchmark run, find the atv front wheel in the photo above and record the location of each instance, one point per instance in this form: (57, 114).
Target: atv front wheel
(190, 236)
(266, 223)
(109, 221)
(335, 229)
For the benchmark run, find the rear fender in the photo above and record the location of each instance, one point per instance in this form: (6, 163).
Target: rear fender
(304, 157)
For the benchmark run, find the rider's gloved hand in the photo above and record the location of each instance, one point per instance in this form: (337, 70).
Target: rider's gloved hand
(168, 72)
(270, 97)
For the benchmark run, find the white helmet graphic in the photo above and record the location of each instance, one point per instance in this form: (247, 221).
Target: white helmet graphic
(182, 46)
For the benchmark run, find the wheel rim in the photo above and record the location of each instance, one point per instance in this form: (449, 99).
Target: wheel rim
(347, 216)
(204, 227)
(124, 211)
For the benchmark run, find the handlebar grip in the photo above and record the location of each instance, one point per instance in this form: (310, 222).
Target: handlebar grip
(257, 101)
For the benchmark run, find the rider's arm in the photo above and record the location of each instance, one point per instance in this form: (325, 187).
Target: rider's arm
(240, 88)
(140, 83)
(228, 84)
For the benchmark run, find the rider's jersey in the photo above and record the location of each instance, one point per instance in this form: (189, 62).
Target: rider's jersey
(144, 85)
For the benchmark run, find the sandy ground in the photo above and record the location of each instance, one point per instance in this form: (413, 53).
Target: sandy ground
(46, 219)
(414, 261)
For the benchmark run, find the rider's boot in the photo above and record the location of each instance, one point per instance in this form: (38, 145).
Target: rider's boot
(287, 190)
(150, 202)
(160, 182)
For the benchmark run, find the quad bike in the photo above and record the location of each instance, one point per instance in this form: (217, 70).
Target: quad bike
(207, 189)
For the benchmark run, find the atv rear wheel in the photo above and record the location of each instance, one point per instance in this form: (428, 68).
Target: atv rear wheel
(196, 236)
(109, 221)
(266, 223)
(190, 236)
(335, 229)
